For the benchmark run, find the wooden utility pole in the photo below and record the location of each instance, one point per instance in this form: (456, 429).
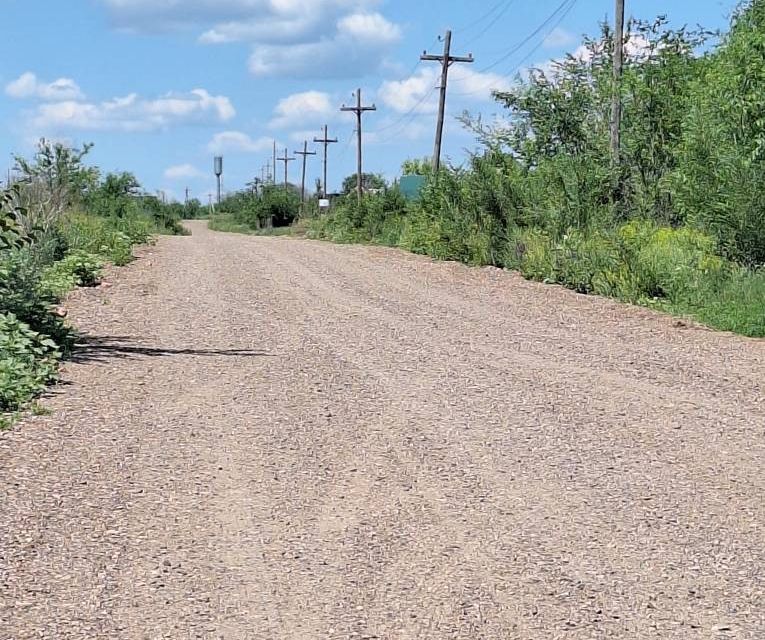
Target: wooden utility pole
(358, 110)
(446, 61)
(616, 104)
(286, 160)
(274, 164)
(326, 141)
(305, 153)
(186, 201)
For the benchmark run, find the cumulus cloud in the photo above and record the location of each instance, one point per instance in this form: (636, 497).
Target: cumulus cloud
(238, 142)
(182, 171)
(298, 15)
(338, 38)
(133, 113)
(28, 85)
(418, 93)
(302, 109)
(358, 44)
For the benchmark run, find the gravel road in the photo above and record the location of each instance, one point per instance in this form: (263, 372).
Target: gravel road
(277, 438)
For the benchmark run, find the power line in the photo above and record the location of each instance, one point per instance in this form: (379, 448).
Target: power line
(478, 21)
(561, 17)
(410, 112)
(491, 24)
(528, 38)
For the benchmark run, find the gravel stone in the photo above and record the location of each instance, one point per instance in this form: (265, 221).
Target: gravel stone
(280, 438)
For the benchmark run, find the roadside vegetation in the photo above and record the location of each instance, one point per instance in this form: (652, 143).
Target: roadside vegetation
(680, 227)
(61, 221)
(268, 209)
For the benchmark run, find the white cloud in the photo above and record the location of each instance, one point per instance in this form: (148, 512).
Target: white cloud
(558, 38)
(154, 15)
(132, 113)
(301, 38)
(418, 93)
(300, 109)
(415, 93)
(358, 45)
(181, 171)
(238, 142)
(369, 27)
(29, 86)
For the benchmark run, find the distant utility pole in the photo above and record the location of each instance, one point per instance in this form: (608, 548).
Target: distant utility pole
(358, 110)
(446, 61)
(187, 197)
(326, 141)
(305, 153)
(286, 160)
(274, 164)
(616, 104)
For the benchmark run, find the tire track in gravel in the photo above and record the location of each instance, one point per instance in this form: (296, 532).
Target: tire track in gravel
(289, 439)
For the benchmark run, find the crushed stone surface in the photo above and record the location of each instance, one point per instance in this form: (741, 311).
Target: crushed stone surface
(278, 438)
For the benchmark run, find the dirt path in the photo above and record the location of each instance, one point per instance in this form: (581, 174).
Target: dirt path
(272, 438)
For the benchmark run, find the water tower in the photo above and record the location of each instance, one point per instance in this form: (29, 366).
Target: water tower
(218, 165)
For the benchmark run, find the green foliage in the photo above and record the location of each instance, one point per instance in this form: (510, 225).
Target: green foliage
(273, 206)
(12, 234)
(28, 362)
(51, 182)
(369, 181)
(22, 296)
(78, 269)
(417, 167)
(111, 238)
(721, 155)
(47, 248)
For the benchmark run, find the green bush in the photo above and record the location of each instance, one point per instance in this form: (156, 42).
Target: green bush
(668, 263)
(79, 269)
(111, 238)
(28, 362)
(22, 296)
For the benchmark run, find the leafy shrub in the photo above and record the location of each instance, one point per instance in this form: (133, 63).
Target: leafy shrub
(22, 296)
(78, 269)
(668, 263)
(111, 238)
(532, 253)
(28, 362)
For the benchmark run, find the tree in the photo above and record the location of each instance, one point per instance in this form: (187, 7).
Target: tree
(369, 181)
(116, 195)
(417, 167)
(54, 180)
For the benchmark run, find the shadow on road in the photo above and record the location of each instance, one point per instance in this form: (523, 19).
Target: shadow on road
(100, 348)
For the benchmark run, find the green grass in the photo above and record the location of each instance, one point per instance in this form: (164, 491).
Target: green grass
(737, 304)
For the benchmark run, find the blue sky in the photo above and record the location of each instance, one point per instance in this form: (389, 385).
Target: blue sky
(160, 86)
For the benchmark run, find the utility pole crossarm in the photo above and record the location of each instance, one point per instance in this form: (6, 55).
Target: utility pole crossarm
(432, 58)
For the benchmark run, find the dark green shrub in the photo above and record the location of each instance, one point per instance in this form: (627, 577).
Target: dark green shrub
(28, 362)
